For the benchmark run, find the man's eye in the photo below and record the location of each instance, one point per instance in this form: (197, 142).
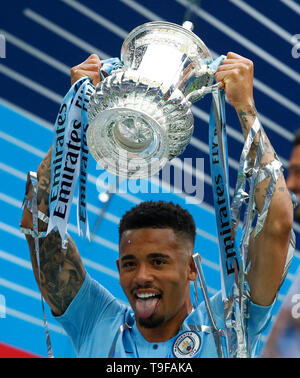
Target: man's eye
(128, 264)
(158, 262)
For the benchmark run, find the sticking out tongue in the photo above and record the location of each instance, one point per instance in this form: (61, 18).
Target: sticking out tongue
(146, 307)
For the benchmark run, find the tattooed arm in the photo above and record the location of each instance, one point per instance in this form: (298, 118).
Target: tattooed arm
(268, 251)
(62, 272)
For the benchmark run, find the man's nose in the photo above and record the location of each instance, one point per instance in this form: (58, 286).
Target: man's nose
(143, 275)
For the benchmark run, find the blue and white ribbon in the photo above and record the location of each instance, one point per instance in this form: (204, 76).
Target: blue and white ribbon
(229, 259)
(82, 215)
(70, 155)
(220, 184)
(228, 256)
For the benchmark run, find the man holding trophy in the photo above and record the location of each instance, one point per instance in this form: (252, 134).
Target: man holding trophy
(156, 262)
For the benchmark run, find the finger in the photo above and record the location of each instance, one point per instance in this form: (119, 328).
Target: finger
(83, 67)
(227, 79)
(227, 67)
(94, 76)
(233, 57)
(88, 67)
(232, 61)
(226, 75)
(93, 58)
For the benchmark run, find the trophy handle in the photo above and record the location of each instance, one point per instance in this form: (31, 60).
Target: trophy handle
(200, 93)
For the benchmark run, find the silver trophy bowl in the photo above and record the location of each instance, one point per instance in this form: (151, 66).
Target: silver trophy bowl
(140, 116)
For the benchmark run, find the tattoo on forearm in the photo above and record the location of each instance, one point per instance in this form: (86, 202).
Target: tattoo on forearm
(246, 117)
(62, 272)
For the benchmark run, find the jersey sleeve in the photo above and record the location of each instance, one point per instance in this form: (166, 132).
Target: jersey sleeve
(259, 317)
(91, 305)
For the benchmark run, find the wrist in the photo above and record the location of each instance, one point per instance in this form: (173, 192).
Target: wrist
(248, 106)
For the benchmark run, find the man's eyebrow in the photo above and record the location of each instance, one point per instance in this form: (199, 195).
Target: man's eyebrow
(128, 257)
(153, 255)
(158, 254)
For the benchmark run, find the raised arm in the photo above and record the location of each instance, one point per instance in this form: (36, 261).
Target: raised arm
(268, 250)
(62, 272)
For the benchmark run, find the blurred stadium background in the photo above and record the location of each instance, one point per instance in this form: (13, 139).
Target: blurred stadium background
(43, 41)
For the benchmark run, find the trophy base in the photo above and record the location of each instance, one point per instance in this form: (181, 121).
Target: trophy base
(128, 142)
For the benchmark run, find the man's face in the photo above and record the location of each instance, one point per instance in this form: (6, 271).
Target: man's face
(155, 268)
(293, 179)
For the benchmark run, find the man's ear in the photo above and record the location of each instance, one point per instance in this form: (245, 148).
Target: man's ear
(118, 264)
(192, 270)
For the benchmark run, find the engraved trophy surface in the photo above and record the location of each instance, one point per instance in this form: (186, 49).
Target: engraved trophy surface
(140, 116)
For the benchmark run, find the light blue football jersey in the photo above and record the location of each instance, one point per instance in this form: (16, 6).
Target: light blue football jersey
(100, 326)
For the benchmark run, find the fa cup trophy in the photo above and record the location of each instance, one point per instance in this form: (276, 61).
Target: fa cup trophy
(140, 116)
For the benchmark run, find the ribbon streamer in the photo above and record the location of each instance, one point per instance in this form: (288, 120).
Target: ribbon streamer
(32, 176)
(70, 156)
(215, 330)
(228, 256)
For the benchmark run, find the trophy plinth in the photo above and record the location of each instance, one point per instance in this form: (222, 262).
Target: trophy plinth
(139, 116)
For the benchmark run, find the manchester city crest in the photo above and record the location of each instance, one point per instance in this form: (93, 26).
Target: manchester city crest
(186, 345)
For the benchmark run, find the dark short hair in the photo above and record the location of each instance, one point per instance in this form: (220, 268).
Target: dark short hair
(296, 141)
(159, 214)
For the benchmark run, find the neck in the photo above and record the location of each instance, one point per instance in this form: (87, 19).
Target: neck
(168, 328)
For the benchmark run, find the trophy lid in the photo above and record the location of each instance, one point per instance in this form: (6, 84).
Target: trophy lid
(168, 33)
